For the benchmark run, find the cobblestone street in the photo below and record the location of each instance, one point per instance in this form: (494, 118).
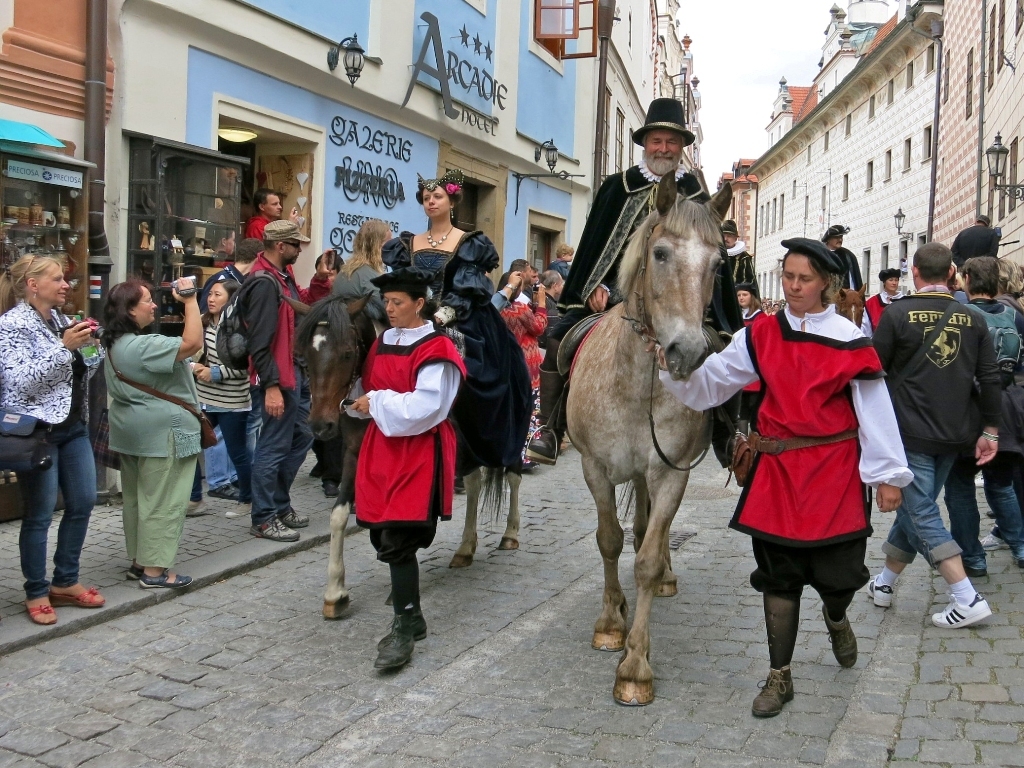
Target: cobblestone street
(245, 672)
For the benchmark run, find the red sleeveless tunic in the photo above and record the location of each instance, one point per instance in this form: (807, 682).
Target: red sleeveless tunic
(747, 322)
(874, 307)
(808, 496)
(405, 481)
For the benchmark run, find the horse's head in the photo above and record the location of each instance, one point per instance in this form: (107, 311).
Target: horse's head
(669, 270)
(850, 304)
(334, 347)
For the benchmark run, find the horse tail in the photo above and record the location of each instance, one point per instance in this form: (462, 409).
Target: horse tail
(626, 503)
(492, 492)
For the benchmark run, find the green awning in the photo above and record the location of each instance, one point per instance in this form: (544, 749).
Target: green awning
(26, 133)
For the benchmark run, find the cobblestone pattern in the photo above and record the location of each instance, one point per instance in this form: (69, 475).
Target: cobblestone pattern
(246, 673)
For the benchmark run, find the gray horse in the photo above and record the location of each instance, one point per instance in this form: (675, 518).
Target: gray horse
(668, 275)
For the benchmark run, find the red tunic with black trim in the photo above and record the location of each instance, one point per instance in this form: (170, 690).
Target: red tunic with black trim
(874, 306)
(807, 496)
(406, 481)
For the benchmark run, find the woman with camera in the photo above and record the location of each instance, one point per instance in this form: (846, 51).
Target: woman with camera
(44, 374)
(159, 440)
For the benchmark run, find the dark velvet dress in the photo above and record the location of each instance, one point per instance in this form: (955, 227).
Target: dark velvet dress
(492, 412)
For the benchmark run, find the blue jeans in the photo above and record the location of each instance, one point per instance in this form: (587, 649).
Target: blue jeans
(962, 505)
(233, 425)
(918, 528)
(255, 424)
(280, 451)
(74, 472)
(220, 470)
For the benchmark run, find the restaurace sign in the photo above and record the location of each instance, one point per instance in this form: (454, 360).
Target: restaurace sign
(450, 68)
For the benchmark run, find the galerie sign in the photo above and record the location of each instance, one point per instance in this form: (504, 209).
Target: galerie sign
(44, 174)
(451, 68)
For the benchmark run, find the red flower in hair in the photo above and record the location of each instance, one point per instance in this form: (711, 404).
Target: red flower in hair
(451, 189)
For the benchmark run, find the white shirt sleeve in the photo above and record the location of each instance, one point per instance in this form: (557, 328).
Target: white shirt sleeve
(720, 377)
(403, 414)
(882, 458)
(865, 324)
(355, 393)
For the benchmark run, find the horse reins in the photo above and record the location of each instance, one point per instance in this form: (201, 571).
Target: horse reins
(643, 328)
(355, 367)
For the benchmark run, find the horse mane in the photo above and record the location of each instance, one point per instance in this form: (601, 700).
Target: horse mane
(684, 217)
(333, 311)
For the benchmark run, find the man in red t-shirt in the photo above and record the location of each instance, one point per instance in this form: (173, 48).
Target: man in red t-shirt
(268, 203)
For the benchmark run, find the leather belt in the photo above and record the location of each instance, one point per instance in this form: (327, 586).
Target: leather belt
(774, 446)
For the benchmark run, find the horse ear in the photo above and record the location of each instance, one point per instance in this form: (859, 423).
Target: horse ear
(667, 193)
(842, 294)
(721, 201)
(863, 290)
(357, 306)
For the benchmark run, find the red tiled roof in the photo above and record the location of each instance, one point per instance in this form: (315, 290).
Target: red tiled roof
(806, 107)
(798, 94)
(882, 33)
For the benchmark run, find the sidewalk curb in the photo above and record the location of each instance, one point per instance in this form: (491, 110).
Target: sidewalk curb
(123, 600)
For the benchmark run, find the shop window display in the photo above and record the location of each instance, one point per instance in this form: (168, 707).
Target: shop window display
(183, 217)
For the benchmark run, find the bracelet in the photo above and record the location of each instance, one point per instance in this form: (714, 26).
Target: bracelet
(990, 437)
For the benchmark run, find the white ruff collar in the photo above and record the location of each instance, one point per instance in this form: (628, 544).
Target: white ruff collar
(737, 249)
(642, 165)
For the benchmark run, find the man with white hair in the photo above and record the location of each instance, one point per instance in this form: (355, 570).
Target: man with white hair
(622, 203)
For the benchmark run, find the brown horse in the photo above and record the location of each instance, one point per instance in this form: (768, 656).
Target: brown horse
(850, 304)
(668, 274)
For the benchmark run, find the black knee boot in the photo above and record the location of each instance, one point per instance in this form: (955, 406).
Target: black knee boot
(395, 650)
(544, 448)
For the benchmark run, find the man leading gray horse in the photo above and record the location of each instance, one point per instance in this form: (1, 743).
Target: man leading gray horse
(622, 203)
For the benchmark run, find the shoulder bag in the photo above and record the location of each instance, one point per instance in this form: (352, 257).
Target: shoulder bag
(23, 445)
(208, 438)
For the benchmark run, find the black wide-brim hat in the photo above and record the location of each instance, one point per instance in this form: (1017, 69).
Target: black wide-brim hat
(836, 230)
(816, 252)
(729, 228)
(406, 280)
(667, 115)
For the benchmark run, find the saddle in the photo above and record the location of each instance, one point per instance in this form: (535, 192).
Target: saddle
(573, 340)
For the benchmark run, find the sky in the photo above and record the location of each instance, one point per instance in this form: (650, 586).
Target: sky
(741, 48)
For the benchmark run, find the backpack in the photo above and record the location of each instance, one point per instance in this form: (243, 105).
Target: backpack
(233, 331)
(1002, 328)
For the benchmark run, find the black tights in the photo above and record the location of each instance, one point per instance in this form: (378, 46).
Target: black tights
(782, 620)
(405, 586)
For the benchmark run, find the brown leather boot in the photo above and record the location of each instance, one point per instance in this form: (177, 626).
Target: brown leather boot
(775, 692)
(844, 642)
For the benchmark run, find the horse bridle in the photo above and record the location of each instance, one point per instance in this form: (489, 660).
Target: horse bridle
(644, 328)
(355, 367)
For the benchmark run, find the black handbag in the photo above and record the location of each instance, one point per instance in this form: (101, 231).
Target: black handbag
(23, 445)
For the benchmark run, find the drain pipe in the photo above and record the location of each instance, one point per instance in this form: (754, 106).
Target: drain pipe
(100, 262)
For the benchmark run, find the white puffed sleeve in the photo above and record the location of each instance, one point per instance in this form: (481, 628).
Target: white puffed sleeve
(403, 414)
(720, 377)
(882, 458)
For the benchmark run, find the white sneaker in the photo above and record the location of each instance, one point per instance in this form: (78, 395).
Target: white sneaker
(992, 542)
(957, 615)
(232, 513)
(881, 594)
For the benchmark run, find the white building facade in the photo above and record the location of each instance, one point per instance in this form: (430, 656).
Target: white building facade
(859, 149)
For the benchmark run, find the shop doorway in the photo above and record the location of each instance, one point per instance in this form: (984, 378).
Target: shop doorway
(466, 210)
(541, 248)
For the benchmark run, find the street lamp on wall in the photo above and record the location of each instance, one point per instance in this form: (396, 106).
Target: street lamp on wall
(900, 218)
(550, 153)
(996, 157)
(353, 60)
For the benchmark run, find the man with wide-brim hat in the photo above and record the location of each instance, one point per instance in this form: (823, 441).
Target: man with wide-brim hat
(873, 307)
(741, 263)
(833, 239)
(623, 201)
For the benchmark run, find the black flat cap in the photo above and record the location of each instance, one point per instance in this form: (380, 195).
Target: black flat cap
(750, 288)
(405, 279)
(817, 252)
(888, 274)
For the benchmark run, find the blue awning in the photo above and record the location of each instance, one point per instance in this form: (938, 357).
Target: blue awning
(26, 133)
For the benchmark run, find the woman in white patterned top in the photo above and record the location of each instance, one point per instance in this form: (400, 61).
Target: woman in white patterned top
(224, 393)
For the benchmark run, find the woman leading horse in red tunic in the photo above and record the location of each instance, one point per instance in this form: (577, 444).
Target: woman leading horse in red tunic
(406, 472)
(824, 428)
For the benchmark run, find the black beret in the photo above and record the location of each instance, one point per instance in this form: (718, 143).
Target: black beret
(888, 274)
(748, 287)
(406, 279)
(836, 230)
(817, 252)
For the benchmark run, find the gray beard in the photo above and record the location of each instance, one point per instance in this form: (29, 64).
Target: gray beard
(661, 166)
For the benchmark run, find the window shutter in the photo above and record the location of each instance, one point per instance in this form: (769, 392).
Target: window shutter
(556, 19)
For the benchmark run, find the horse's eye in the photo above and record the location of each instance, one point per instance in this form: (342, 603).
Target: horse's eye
(661, 253)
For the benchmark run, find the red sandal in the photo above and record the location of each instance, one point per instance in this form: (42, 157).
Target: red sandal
(91, 598)
(41, 614)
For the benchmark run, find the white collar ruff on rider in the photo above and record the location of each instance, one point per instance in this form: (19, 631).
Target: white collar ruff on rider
(642, 165)
(737, 249)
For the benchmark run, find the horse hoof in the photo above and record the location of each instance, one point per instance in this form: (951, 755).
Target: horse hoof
(507, 542)
(334, 610)
(608, 641)
(461, 561)
(630, 694)
(667, 589)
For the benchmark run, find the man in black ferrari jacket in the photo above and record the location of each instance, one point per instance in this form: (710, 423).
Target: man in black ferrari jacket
(939, 418)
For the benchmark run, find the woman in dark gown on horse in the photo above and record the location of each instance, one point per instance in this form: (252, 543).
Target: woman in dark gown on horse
(492, 412)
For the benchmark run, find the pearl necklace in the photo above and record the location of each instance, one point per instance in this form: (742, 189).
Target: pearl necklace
(437, 243)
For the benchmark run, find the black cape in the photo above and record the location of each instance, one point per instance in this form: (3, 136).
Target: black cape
(622, 202)
(492, 411)
(852, 278)
(741, 267)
